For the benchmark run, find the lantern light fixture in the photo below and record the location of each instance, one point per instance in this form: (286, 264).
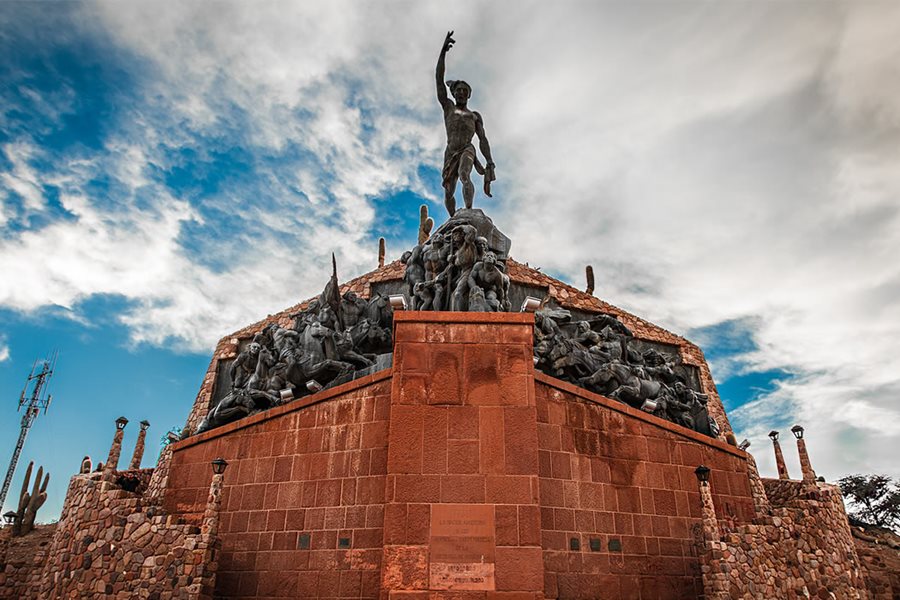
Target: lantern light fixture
(702, 473)
(218, 465)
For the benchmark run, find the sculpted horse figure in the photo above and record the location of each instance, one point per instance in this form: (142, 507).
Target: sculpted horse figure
(314, 364)
(618, 381)
(570, 358)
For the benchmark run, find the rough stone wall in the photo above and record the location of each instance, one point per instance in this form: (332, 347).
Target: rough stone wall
(802, 549)
(106, 546)
(21, 562)
(879, 552)
(303, 501)
(159, 480)
(624, 481)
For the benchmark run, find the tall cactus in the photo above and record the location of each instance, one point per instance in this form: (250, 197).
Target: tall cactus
(29, 504)
(381, 252)
(425, 224)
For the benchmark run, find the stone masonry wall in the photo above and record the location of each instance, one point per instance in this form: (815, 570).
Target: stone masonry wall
(303, 501)
(106, 546)
(619, 501)
(463, 450)
(802, 549)
(879, 552)
(21, 562)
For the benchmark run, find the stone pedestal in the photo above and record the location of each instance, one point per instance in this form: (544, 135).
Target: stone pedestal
(462, 510)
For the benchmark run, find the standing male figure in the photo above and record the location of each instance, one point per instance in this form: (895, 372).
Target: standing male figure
(461, 124)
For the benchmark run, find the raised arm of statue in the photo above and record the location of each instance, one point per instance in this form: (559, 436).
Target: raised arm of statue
(439, 72)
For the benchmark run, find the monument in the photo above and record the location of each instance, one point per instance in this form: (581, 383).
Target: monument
(453, 424)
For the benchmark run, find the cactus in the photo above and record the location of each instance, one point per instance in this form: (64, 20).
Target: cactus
(381, 250)
(425, 224)
(589, 273)
(29, 504)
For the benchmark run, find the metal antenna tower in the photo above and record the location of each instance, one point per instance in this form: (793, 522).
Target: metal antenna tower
(39, 382)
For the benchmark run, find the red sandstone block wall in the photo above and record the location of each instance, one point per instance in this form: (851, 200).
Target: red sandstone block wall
(610, 474)
(303, 503)
(463, 433)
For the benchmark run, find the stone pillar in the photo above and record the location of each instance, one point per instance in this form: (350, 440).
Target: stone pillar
(210, 524)
(707, 509)
(809, 476)
(779, 457)
(757, 489)
(112, 461)
(712, 555)
(138, 455)
(462, 448)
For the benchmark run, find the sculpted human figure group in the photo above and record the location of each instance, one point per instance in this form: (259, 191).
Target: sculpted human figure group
(595, 354)
(456, 272)
(329, 340)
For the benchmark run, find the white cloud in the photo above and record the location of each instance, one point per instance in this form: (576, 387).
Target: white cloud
(4, 349)
(713, 162)
(21, 179)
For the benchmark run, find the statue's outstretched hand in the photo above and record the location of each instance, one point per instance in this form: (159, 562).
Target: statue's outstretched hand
(448, 42)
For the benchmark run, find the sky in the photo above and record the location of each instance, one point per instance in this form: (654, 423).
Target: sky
(170, 172)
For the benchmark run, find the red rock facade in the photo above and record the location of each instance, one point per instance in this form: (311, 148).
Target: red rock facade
(458, 473)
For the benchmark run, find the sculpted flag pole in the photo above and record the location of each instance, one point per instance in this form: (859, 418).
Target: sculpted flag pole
(461, 124)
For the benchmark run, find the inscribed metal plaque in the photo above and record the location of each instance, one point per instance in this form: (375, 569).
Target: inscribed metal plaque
(462, 547)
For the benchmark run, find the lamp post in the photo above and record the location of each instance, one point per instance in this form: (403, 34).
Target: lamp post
(115, 450)
(809, 475)
(214, 500)
(707, 509)
(138, 454)
(779, 456)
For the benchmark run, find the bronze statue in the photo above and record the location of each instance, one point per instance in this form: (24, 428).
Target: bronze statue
(414, 272)
(463, 258)
(461, 124)
(493, 282)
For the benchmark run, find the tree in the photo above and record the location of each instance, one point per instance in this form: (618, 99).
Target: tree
(874, 499)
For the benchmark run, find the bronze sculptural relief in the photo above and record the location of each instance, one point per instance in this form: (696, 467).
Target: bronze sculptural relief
(332, 338)
(598, 354)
